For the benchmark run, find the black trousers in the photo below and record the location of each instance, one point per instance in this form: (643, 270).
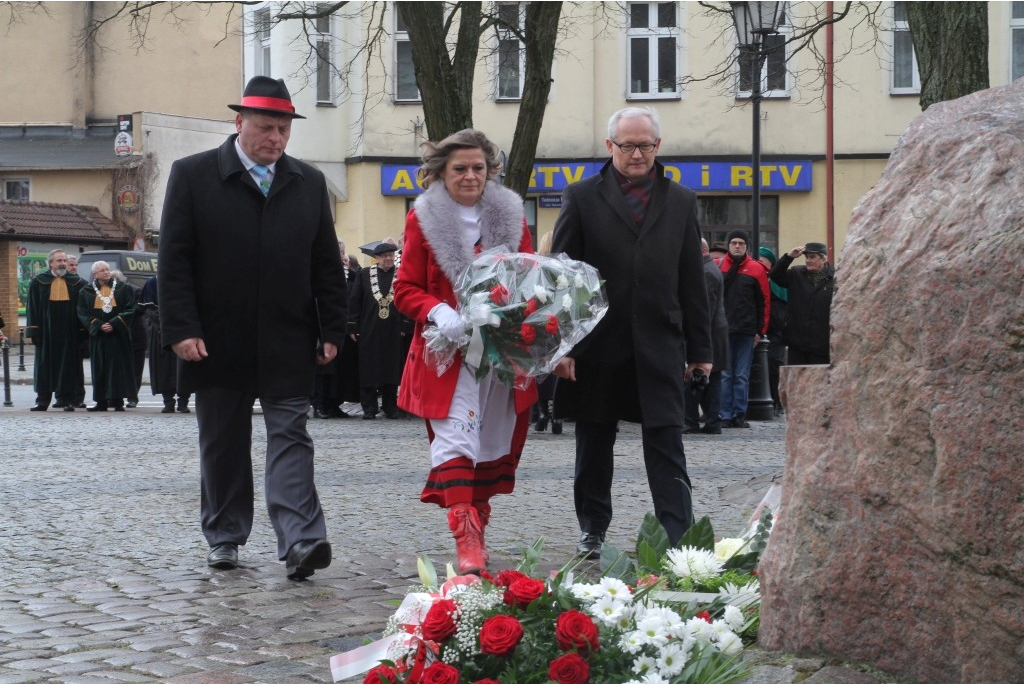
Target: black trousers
(666, 475)
(388, 399)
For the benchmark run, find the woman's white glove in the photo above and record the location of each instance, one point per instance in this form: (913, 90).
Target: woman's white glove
(448, 321)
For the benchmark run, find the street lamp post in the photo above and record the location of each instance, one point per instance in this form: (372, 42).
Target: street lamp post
(754, 21)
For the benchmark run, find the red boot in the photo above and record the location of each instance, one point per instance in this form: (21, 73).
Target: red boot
(483, 511)
(464, 523)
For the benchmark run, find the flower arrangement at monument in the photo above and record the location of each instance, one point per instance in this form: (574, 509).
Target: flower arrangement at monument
(523, 313)
(629, 625)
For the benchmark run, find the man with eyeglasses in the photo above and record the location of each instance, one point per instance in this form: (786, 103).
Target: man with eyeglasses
(810, 290)
(640, 230)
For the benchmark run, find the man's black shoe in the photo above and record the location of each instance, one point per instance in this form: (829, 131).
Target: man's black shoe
(223, 556)
(690, 430)
(711, 430)
(590, 545)
(740, 421)
(369, 417)
(305, 557)
(100, 406)
(80, 405)
(392, 415)
(321, 414)
(68, 407)
(40, 407)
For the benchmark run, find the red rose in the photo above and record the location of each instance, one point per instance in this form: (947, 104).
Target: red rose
(574, 629)
(439, 623)
(532, 305)
(500, 634)
(569, 668)
(499, 294)
(528, 333)
(381, 674)
(522, 591)
(504, 578)
(704, 616)
(552, 325)
(440, 672)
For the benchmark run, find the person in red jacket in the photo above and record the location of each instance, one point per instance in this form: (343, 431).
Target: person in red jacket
(476, 429)
(747, 307)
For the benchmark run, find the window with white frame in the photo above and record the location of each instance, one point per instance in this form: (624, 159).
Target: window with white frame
(324, 60)
(1016, 40)
(261, 42)
(653, 49)
(774, 75)
(16, 189)
(511, 55)
(905, 79)
(405, 72)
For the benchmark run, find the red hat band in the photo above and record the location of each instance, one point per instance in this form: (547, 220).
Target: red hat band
(258, 102)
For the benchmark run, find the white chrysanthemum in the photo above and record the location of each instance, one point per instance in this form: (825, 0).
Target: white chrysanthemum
(701, 630)
(734, 617)
(561, 282)
(696, 564)
(730, 643)
(585, 591)
(541, 292)
(644, 664)
(654, 631)
(672, 659)
(566, 302)
(607, 610)
(613, 587)
(727, 547)
(742, 595)
(633, 641)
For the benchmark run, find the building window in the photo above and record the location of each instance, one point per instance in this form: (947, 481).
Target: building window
(653, 50)
(905, 78)
(718, 215)
(261, 42)
(405, 72)
(1016, 40)
(774, 75)
(324, 60)
(16, 189)
(511, 55)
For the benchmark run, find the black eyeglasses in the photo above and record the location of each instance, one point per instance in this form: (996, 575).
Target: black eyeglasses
(630, 148)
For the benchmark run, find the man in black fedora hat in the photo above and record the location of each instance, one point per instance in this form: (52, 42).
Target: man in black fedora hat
(248, 257)
(810, 290)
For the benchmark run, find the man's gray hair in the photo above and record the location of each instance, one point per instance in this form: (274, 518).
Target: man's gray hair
(96, 266)
(49, 257)
(630, 112)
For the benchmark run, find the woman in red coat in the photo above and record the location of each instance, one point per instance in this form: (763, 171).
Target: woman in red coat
(476, 428)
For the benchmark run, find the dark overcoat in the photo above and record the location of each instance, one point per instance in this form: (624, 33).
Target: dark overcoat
(240, 271)
(631, 366)
(715, 285)
(110, 354)
(381, 341)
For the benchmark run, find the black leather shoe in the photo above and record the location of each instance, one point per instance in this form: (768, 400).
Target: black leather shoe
(168, 409)
(40, 407)
(740, 421)
(80, 405)
(183, 408)
(711, 430)
(100, 406)
(223, 556)
(68, 407)
(320, 414)
(392, 415)
(590, 545)
(305, 557)
(690, 430)
(369, 417)
(131, 404)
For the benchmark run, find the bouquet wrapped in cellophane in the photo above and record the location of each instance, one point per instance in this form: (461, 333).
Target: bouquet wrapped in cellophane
(523, 313)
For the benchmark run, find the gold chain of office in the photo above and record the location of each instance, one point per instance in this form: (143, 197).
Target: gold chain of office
(383, 303)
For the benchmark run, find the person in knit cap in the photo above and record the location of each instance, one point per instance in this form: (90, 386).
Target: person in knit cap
(747, 307)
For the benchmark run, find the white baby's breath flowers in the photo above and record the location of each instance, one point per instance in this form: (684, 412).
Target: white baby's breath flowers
(696, 564)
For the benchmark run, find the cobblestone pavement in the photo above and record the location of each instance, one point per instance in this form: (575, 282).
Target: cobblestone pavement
(102, 563)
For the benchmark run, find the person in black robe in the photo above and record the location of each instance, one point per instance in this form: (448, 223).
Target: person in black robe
(52, 326)
(377, 327)
(163, 363)
(106, 308)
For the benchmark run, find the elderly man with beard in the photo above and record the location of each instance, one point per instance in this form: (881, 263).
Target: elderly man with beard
(106, 308)
(52, 326)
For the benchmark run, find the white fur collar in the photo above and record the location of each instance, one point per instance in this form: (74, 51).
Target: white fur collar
(501, 223)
